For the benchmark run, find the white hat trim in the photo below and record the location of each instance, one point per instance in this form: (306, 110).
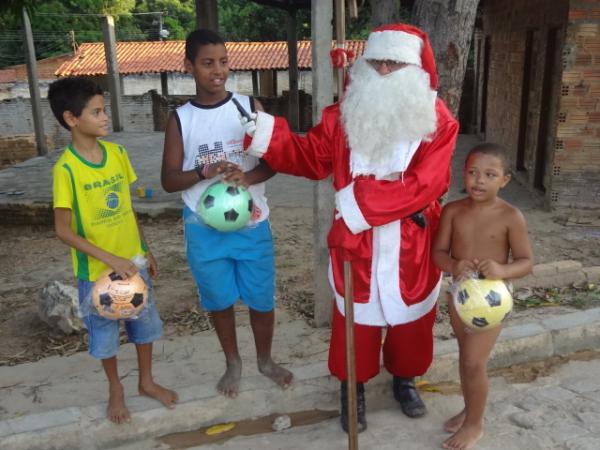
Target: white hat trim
(394, 45)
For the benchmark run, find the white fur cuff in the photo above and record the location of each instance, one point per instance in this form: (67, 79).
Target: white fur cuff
(347, 206)
(394, 45)
(262, 136)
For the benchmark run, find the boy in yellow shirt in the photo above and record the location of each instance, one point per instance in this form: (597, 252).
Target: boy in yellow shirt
(93, 215)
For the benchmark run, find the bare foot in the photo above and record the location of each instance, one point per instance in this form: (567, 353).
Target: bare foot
(453, 424)
(229, 384)
(117, 411)
(464, 439)
(153, 390)
(275, 372)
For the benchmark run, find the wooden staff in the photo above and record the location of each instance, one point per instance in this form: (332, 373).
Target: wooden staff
(350, 359)
(340, 34)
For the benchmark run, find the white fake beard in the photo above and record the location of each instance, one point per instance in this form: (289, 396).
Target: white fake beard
(380, 112)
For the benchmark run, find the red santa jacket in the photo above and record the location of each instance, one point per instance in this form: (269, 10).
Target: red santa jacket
(394, 278)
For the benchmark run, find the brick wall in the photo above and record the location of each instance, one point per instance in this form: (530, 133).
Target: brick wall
(140, 113)
(576, 163)
(19, 147)
(162, 107)
(16, 117)
(507, 26)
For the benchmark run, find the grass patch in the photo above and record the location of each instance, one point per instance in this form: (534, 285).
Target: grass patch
(579, 297)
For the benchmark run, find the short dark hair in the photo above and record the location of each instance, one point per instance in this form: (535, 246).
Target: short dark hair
(490, 148)
(199, 38)
(71, 94)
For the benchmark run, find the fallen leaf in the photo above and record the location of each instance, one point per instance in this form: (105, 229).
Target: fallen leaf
(220, 428)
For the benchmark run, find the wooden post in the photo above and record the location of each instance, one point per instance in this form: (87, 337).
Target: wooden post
(207, 14)
(340, 41)
(34, 90)
(477, 53)
(112, 71)
(255, 90)
(293, 97)
(164, 83)
(323, 193)
(350, 360)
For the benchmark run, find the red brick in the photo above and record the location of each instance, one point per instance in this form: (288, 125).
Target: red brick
(591, 75)
(583, 60)
(572, 144)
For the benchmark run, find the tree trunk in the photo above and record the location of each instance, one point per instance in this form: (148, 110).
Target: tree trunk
(449, 24)
(384, 12)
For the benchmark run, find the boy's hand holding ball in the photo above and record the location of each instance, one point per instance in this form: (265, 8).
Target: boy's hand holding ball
(236, 176)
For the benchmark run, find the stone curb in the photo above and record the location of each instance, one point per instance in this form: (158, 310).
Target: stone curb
(550, 275)
(39, 211)
(558, 274)
(314, 388)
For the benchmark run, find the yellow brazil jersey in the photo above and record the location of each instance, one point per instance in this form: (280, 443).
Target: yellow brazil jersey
(100, 202)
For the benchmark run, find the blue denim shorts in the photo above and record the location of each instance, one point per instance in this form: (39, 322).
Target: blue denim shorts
(228, 266)
(103, 334)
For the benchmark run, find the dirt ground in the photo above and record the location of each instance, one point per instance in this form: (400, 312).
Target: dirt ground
(30, 258)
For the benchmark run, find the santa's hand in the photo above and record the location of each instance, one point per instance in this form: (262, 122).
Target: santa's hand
(249, 124)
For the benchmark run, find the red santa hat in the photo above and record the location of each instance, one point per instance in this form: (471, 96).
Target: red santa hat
(404, 43)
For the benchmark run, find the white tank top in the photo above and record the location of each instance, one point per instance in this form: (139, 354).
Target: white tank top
(214, 133)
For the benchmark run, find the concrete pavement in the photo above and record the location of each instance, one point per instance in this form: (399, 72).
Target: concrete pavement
(26, 188)
(85, 426)
(58, 403)
(560, 411)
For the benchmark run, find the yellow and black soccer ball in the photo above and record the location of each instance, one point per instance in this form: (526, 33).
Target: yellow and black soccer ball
(482, 304)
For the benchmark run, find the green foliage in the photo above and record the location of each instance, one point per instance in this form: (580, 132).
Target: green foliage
(360, 27)
(581, 297)
(58, 24)
(116, 6)
(15, 6)
(54, 23)
(243, 20)
(179, 18)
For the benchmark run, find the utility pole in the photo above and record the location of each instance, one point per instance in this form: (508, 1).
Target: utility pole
(112, 71)
(34, 91)
(73, 41)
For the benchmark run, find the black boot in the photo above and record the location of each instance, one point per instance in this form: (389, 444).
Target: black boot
(360, 407)
(406, 393)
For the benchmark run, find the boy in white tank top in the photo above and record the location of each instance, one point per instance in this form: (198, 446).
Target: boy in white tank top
(203, 141)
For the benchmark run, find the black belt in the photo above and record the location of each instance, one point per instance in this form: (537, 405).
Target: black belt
(420, 219)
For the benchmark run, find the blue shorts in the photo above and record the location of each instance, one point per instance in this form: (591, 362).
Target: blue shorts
(228, 266)
(103, 333)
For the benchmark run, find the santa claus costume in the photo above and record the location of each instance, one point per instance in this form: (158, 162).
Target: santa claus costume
(388, 147)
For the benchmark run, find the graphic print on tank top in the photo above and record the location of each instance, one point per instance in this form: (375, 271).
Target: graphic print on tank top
(208, 155)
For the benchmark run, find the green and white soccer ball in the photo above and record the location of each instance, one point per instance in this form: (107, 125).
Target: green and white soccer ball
(225, 207)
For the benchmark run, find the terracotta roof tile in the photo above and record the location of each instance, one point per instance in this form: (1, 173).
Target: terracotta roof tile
(46, 67)
(167, 56)
(8, 76)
